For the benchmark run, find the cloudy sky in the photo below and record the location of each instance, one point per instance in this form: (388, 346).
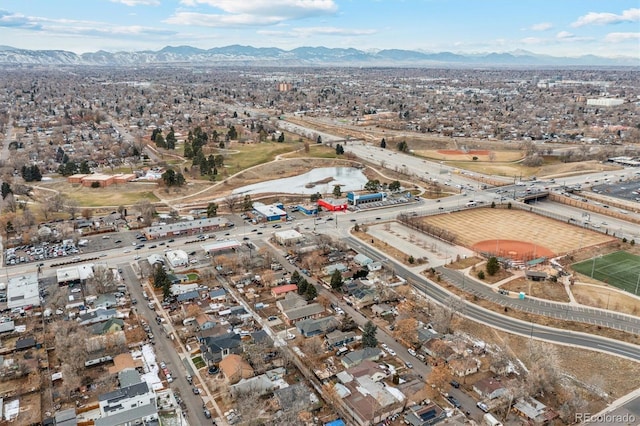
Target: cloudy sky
(557, 27)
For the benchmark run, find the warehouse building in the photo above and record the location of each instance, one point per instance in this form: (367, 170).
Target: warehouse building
(23, 291)
(287, 237)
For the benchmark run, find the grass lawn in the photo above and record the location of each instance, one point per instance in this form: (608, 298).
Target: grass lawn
(250, 155)
(198, 362)
(192, 276)
(620, 269)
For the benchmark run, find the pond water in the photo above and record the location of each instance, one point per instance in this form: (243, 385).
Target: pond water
(320, 180)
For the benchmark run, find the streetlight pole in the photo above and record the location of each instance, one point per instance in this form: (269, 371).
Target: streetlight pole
(637, 283)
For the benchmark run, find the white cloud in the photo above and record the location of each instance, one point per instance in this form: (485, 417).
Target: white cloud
(567, 36)
(532, 40)
(237, 13)
(316, 31)
(604, 18)
(286, 9)
(621, 37)
(137, 2)
(542, 26)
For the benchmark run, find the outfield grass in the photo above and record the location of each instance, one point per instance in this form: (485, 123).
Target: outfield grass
(620, 269)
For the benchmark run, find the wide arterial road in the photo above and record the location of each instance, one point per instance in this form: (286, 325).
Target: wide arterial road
(509, 324)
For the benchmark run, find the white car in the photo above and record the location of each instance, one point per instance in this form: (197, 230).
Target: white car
(391, 352)
(384, 346)
(411, 352)
(127, 251)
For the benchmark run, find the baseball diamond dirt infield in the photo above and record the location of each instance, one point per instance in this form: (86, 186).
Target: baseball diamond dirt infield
(515, 233)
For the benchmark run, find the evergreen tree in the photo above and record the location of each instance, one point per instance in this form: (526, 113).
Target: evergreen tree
(84, 168)
(369, 339)
(336, 280)
(281, 137)
(492, 266)
(5, 189)
(295, 277)
(302, 286)
(383, 143)
(212, 210)
(311, 292)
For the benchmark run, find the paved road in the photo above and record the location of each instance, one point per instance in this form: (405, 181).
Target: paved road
(509, 324)
(165, 350)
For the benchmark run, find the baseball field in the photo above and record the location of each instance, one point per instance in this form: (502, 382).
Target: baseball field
(515, 233)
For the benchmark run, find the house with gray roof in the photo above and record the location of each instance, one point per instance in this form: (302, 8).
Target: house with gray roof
(99, 315)
(290, 301)
(127, 405)
(339, 338)
(317, 326)
(215, 348)
(188, 296)
(352, 359)
(312, 310)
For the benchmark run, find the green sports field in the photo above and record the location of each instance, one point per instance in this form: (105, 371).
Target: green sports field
(620, 269)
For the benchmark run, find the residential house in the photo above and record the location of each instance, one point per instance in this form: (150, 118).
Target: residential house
(105, 301)
(290, 301)
(329, 269)
(364, 297)
(260, 384)
(424, 415)
(380, 309)
(129, 404)
(282, 290)
(438, 348)
(218, 295)
(235, 368)
(339, 338)
(489, 388)
(362, 260)
(215, 348)
(312, 310)
(374, 266)
(464, 366)
(99, 315)
(367, 400)
(355, 358)
(66, 417)
(111, 325)
(205, 322)
(315, 327)
(25, 343)
(188, 296)
(534, 411)
(7, 326)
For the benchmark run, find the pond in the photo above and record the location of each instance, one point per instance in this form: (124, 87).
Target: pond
(320, 180)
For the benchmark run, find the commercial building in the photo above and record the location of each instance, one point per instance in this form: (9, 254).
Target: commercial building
(91, 180)
(308, 209)
(191, 227)
(74, 275)
(358, 199)
(221, 245)
(270, 212)
(288, 237)
(333, 204)
(605, 102)
(23, 291)
(177, 258)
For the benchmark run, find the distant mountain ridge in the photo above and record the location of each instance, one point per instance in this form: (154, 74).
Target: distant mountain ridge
(301, 56)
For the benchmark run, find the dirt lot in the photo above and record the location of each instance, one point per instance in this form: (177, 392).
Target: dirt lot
(542, 289)
(600, 296)
(516, 225)
(482, 155)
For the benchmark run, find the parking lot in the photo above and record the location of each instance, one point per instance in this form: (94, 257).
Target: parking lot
(626, 190)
